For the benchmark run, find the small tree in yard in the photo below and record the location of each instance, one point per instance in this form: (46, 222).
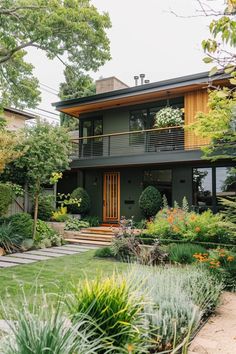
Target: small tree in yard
(47, 151)
(150, 201)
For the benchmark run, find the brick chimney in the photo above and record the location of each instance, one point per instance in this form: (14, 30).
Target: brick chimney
(109, 84)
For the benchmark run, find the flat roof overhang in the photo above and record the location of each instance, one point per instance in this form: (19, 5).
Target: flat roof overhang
(138, 94)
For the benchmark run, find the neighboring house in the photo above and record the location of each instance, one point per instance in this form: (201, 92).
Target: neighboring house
(16, 118)
(118, 152)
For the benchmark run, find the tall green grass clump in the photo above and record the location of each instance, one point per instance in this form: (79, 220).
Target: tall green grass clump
(42, 329)
(115, 309)
(183, 253)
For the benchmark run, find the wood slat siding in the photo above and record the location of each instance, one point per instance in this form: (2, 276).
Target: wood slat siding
(194, 101)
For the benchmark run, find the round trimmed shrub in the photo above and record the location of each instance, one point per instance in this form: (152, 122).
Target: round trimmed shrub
(6, 196)
(80, 193)
(150, 201)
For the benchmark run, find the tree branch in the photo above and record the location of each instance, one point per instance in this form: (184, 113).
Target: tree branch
(11, 11)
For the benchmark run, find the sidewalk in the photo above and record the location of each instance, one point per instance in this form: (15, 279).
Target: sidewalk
(219, 333)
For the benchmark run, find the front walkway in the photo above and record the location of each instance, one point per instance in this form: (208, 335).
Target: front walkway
(219, 333)
(44, 254)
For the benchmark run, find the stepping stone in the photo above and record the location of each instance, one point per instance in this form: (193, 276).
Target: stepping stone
(71, 248)
(25, 255)
(6, 265)
(45, 253)
(12, 259)
(79, 247)
(62, 252)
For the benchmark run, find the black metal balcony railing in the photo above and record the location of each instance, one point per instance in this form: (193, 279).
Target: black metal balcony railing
(131, 143)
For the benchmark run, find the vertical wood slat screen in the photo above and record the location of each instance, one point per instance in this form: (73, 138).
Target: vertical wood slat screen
(195, 101)
(111, 196)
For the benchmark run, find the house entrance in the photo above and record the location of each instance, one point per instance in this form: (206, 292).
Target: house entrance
(111, 197)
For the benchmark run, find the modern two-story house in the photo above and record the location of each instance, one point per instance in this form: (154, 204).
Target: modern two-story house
(118, 151)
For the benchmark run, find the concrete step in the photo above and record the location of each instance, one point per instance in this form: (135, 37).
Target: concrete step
(87, 242)
(98, 230)
(92, 237)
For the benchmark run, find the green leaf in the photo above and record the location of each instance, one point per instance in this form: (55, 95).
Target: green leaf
(213, 71)
(229, 69)
(233, 81)
(207, 60)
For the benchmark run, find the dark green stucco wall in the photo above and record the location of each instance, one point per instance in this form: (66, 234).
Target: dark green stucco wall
(131, 186)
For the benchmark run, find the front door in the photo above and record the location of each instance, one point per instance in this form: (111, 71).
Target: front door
(111, 197)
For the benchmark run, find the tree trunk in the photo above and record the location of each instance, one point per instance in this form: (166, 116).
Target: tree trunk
(36, 206)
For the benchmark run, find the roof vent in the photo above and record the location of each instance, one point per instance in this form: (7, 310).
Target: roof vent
(142, 81)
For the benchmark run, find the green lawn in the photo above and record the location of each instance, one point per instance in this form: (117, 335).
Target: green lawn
(55, 276)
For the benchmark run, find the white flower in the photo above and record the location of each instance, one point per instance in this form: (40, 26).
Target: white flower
(169, 117)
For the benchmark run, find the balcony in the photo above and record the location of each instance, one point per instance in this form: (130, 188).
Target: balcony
(150, 141)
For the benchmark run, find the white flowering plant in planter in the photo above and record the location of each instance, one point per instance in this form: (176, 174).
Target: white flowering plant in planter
(169, 117)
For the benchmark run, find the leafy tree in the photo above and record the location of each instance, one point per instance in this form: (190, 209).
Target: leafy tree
(72, 29)
(8, 146)
(47, 151)
(219, 124)
(77, 84)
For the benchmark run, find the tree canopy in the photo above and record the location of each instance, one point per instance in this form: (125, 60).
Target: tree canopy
(219, 124)
(77, 84)
(71, 30)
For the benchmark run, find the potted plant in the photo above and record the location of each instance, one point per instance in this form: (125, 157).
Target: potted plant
(170, 139)
(169, 117)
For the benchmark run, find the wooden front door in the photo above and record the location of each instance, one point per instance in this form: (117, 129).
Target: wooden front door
(111, 197)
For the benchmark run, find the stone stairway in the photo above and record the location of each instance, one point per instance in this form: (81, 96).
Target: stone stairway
(100, 236)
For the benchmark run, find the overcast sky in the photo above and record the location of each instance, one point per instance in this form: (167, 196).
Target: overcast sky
(145, 38)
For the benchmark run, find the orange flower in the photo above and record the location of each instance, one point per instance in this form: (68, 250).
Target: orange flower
(197, 229)
(170, 219)
(230, 258)
(175, 229)
(193, 217)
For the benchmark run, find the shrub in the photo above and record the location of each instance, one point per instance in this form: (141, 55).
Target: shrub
(104, 252)
(113, 307)
(74, 224)
(80, 194)
(9, 240)
(6, 196)
(45, 208)
(22, 224)
(92, 220)
(222, 264)
(177, 224)
(183, 253)
(179, 297)
(125, 248)
(60, 215)
(46, 236)
(150, 201)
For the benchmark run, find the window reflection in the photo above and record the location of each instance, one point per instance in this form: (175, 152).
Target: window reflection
(162, 180)
(202, 187)
(225, 182)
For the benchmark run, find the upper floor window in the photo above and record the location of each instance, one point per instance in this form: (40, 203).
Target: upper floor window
(137, 121)
(91, 127)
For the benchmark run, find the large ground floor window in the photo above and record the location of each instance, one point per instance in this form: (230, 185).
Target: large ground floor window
(211, 183)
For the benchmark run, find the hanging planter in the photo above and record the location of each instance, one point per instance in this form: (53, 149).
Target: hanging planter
(169, 117)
